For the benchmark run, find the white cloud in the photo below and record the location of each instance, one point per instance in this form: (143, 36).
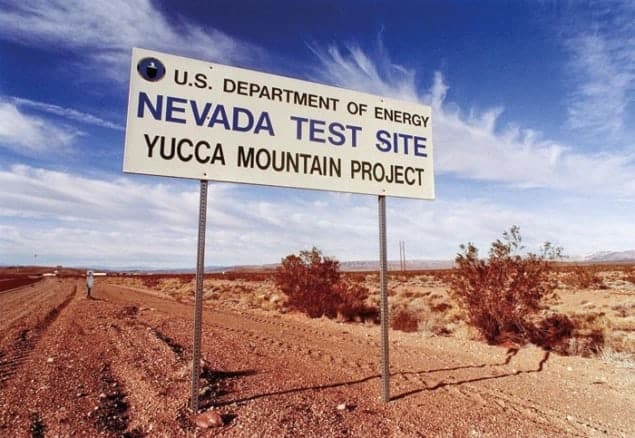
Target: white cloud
(75, 220)
(602, 64)
(29, 135)
(68, 113)
(473, 146)
(106, 30)
(354, 69)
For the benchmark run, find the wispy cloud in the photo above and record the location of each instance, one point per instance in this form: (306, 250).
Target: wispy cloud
(352, 68)
(472, 145)
(602, 51)
(67, 113)
(69, 219)
(29, 135)
(105, 31)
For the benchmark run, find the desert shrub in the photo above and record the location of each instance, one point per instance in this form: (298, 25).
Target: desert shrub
(440, 307)
(257, 276)
(151, 281)
(314, 286)
(583, 277)
(352, 305)
(586, 343)
(502, 293)
(404, 320)
(553, 333)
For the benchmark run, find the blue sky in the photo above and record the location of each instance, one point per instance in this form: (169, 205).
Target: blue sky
(533, 124)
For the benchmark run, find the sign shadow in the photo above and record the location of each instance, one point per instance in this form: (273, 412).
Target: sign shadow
(443, 384)
(509, 355)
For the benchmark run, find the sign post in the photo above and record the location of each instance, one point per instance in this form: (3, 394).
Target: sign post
(206, 121)
(198, 304)
(385, 317)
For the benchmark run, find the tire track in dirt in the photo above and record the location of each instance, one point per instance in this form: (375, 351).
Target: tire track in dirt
(324, 350)
(556, 420)
(27, 340)
(461, 375)
(304, 348)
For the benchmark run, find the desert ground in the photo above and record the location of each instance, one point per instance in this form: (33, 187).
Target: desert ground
(119, 364)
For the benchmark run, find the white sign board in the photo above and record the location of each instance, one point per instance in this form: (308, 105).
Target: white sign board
(207, 121)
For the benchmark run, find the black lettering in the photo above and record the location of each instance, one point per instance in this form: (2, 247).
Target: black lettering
(335, 167)
(299, 98)
(398, 174)
(267, 158)
(197, 151)
(420, 173)
(164, 153)
(316, 166)
(366, 167)
(229, 86)
(150, 145)
(292, 162)
(355, 168)
(409, 179)
(218, 154)
(182, 81)
(200, 80)
(179, 150)
(245, 160)
(276, 94)
(280, 166)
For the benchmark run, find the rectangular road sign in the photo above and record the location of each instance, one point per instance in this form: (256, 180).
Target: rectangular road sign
(202, 120)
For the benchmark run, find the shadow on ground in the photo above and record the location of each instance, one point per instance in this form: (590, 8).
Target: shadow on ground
(509, 355)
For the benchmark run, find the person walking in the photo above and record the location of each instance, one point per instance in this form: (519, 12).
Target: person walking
(90, 281)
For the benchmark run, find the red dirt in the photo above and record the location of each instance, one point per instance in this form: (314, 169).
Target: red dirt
(119, 365)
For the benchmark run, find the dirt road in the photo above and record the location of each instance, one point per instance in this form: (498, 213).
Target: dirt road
(120, 365)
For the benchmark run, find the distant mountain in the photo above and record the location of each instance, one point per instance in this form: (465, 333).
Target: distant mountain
(611, 256)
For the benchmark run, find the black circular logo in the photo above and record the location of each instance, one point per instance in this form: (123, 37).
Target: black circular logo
(151, 69)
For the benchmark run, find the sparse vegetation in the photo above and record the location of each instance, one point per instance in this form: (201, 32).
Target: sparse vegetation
(314, 286)
(572, 319)
(583, 277)
(404, 320)
(501, 294)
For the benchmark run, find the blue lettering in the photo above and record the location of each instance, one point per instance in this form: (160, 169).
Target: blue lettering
(419, 145)
(171, 108)
(405, 137)
(155, 110)
(299, 121)
(219, 116)
(336, 138)
(176, 108)
(199, 118)
(384, 137)
(264, 123)
(313, 129)
(236, 122)
(354, 131)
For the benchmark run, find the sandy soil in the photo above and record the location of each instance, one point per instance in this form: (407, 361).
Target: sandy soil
(119, 365)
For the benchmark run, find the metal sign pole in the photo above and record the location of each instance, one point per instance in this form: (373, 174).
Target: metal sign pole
(383, 280)
(198, 306)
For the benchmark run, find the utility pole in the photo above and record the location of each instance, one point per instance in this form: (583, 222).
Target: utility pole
(402, 255)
